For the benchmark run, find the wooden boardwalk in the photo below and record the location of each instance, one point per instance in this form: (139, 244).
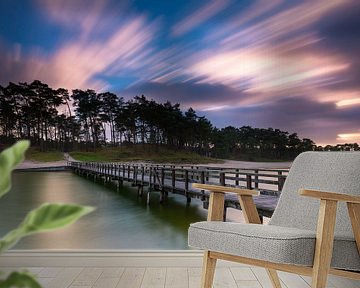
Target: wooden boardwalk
(160, 269)
(177, 179)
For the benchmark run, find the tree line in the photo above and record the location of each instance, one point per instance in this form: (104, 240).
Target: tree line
(84, 119)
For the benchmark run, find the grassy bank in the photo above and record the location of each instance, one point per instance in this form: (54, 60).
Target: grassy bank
(254, 158)
(142, 153)
(34, 154)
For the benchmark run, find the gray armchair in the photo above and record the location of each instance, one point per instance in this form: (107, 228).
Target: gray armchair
(314, 231)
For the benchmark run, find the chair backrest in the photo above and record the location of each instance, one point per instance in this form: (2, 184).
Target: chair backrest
(324, 171)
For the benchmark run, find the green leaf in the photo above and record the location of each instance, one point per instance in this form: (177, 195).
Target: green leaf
(9, 159)
(45, 218)
(20, 280)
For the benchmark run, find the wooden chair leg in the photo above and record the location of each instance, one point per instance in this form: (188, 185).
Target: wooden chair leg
(354, 212)
(208, 271)
(252, 216)
(274, 278)
(324, 243)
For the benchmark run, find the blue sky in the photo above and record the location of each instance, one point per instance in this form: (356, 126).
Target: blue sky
(292, 65)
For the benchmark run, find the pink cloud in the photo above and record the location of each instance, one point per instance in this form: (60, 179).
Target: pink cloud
(267, 71)
(199, 16)
(77, 62)
(285, 22)
(256, 9)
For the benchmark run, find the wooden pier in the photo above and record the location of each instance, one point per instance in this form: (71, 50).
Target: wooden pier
(166, 179)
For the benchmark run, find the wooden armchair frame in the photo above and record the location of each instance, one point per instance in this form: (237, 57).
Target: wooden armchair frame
(324, 235)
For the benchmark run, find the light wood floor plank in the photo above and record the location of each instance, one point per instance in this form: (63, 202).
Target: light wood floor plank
(132, 277)
(110, 272)
(65, 277)
(177, 278)
(248, 284)
(106, 282)
(154, 278)
(263, 278)
(245, 273)
(34, 270)
(224, 278)
(308, 280)
(50, 272)
(44, 282)
(340, 282)
(87, 277)
(293, 280)
(194, 275)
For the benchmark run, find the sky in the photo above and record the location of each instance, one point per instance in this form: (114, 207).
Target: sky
(292, 65)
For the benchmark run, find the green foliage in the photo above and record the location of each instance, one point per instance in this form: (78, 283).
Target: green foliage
(19, 279)
(9, 159)
(45, 218)
(139, 152)
(258, 144)
(34, 154)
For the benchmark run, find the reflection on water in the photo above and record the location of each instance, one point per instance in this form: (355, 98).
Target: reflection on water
(121, 221)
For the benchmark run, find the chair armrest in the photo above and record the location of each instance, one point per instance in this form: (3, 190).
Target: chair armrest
(217, 199)
(328, 204)
(330, 196)
(225, 189)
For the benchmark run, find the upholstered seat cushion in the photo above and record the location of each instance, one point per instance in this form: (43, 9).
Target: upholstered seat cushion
(270, 243)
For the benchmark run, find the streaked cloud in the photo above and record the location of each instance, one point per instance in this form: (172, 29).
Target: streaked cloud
(287, 64)
(349, 137)
(285, 22)
(264, 70)
(201, 15)
(348, 102)
(78, 61)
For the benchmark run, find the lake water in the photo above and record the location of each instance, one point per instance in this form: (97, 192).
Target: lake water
(121, 221)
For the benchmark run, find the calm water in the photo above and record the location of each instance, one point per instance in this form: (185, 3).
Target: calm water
(121, 221)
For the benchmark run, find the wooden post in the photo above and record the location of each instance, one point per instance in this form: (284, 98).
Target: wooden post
(188, 198)
(202, 179)
(237, 176)
(148, 197)
(154, 176)
(222, 178)
(162, 178)
(248, 181)
(281, 181)
(162, 181)
(118, 176)
(173, 179)
(135, 175)
(142, 180)
(150, 178)
(256, 179)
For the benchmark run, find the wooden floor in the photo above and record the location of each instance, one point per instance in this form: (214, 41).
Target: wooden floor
(144, 269)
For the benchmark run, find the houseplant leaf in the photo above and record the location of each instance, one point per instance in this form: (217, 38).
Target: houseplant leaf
(47, 217)
(9, 159)
(19, 279)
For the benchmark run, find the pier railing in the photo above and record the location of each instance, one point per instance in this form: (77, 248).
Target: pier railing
(178, 178)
